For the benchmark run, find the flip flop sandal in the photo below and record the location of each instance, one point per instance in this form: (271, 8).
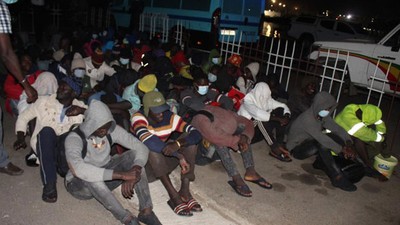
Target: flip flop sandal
(262, 183)
(194, 206)
(281, 157)
(149, 219)
(242, 190)
(181, 209)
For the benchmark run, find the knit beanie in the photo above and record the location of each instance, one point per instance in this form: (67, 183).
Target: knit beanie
(75, 83)
(235, 60)
(77, 62)
(148, 83)
(97, 57)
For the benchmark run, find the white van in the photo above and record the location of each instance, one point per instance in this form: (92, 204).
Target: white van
(380, 61)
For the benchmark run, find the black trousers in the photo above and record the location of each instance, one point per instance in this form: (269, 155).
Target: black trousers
(312, 147)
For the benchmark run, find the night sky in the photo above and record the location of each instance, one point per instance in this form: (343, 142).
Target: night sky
(384, 9)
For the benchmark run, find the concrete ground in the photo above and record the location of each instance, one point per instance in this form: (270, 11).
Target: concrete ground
(301, 195)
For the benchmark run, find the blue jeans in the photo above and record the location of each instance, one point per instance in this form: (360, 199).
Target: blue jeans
(102, 190)
(229, 164)
(3, 153)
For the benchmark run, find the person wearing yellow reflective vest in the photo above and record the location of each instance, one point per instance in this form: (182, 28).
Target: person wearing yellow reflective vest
(364, 123)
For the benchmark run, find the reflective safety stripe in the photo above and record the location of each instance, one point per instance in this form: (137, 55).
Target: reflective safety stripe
(378, 138)
(355, 128)
(378, 122)
(379, 132)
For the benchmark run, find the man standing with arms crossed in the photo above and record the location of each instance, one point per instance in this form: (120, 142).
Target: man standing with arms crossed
(10, 60)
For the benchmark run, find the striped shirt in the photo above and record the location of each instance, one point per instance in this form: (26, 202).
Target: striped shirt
(5, 19)
(155, 136)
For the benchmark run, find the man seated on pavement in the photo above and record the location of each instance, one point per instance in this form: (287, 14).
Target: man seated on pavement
(364, 124)
(153, 126)
(97, 173)
(227, 130)
(307, 138)
(301, 99)
(96, 68)
(260, 106)
(198, 99)
(55, 114)
(134, 92)
(201, 95)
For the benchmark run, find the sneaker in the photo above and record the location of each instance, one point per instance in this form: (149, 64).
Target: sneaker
(150, 219)
(50, 192)
(343, 184)
(31, 160)
(11, 170)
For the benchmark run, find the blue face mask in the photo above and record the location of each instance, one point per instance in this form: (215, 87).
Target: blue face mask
(10, 1)
(79, 73)
(124, 61)
(202, 90)
(212, 77)
(323, 113)
(215, 60)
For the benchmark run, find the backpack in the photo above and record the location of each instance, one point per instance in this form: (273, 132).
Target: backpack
(61, 159)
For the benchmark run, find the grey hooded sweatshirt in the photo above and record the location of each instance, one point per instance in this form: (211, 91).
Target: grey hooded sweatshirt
(309, 125)
(91, 168)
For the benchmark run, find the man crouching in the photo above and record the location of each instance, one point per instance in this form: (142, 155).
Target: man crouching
(96, 173)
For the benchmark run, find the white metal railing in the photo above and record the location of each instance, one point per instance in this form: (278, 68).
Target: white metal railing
(331, 66)
(162, 26)
(280, 60)
(229, 46)
(382, 82)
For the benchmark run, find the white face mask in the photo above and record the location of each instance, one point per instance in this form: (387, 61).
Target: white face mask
(79, 73)
(212, 77)
(124, 61)
(215, 60)
(10, 1)
(323, 113)
(202, 90)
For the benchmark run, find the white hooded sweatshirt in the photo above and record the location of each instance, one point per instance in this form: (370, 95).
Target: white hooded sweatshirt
(259, 104)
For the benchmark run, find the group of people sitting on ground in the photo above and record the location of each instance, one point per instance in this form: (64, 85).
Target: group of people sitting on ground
(124, 111)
